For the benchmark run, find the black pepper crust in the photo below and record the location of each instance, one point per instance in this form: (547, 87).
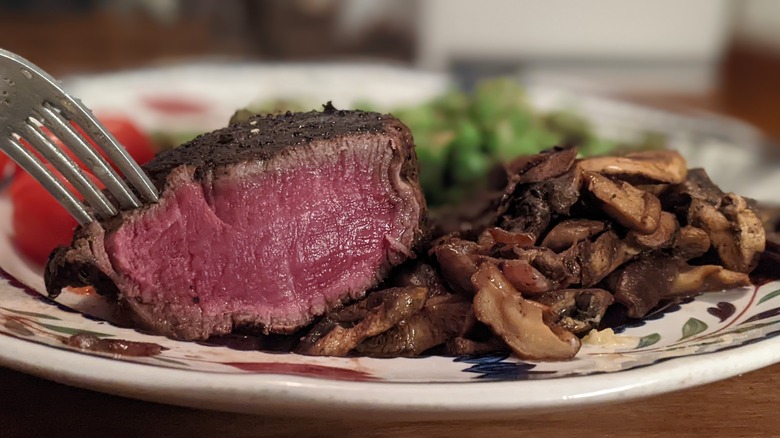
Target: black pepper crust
(263, 137)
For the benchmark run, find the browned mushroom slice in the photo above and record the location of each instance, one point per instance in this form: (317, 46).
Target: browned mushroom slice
(339, 333)
(455, 257)
(529, 208)
(769, 216)
(441, 319)
(524, 277)
(599, 258)
(697, 185)
(542, 166)
(420, 274)
(521, 323)
(643, 283)
(511, 238)
(570, 232)
(691, 242)
(561, 269)
(580, 310)
(460, 346)
(735, 231)
(662, 237)
(692, 280)
(656, 189)
(634, 209)
(663, 166)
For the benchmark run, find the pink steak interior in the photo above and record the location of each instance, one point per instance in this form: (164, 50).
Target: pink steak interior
(274, 244)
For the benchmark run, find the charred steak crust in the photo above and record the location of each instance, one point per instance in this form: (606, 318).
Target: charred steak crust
(272, 138)
(267, 136)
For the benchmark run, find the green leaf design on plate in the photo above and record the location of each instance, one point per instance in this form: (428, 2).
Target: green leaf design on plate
(175, 362)
(72, 331)
(646, 341)
(31, 314)
(769, 296)
(693, 327)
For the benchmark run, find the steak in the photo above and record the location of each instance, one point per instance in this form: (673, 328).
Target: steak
(264, 224)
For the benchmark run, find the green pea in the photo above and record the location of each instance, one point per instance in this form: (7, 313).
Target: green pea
(467, 136)
(469, 166)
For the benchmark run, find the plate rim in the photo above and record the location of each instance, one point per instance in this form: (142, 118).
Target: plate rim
(315, 397)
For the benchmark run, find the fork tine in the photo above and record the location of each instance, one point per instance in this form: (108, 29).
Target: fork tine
(99, 166)
(71, 109)
(69, 169)
(30, 163)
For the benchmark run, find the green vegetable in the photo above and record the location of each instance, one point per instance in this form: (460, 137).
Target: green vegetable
(461, 137)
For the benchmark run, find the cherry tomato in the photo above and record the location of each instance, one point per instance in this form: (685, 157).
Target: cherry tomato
(138, 145)
(7, 166)
(40, 223)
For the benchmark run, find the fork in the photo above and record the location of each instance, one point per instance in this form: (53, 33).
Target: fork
(33, 107)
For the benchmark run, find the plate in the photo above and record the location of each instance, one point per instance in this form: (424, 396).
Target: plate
(712, 337)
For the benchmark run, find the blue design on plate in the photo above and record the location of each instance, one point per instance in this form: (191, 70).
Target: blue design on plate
(498, 367)
(655, 315)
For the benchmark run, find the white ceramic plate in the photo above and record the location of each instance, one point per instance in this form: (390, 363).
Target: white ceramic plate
(712, 337)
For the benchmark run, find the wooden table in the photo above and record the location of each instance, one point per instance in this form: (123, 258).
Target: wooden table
(32, 407)
(741, 406)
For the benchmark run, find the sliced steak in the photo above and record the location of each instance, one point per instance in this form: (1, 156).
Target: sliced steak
(267, 223)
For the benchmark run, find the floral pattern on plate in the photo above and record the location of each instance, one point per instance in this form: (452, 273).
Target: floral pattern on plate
(707, 324)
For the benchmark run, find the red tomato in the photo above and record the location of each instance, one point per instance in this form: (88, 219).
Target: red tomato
(40, 223)
(7, 166)
(138, 145)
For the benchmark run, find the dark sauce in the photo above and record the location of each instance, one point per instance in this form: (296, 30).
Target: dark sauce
(122, 347)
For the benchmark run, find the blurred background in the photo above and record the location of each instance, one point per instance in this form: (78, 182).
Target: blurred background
(721, 55)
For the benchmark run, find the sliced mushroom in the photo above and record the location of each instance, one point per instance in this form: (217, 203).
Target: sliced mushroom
(461, 346)
(662, 237)
(691, 242)
(519, 322)
(664, 166)
(561, 269)
(570, 232)
(770, 216)
(418, 273)
(564, 191)
(511, 238)
(543, 166)
(441, 319)
(656, 189)
(530, 207)
(643, 283)
(339, 333)
(735, 231)
(524, 277)
(580, 310)
(599, 258)
(455, 257)
(692, 280)
(634, 209)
